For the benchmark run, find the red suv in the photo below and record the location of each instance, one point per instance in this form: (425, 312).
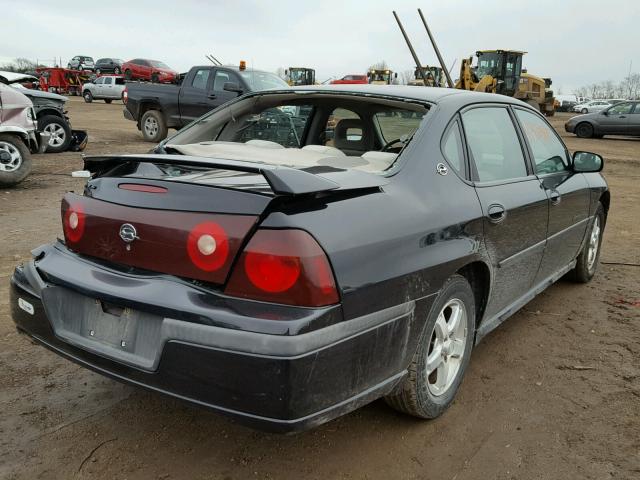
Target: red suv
(151, 70)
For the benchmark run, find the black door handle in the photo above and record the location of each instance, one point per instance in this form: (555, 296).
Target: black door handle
(496, 213)
(554, 197)
(212, 96)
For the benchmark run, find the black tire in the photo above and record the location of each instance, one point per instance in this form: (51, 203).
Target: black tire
(107, 100)
(155, 78)
(584, 130)
(586, 267)
(97, 71)
(117, 71)
(58, 125)
(153, 127)
(127, 74)
(88, 96)
(415, 396)
(11, 142)
(584, 110)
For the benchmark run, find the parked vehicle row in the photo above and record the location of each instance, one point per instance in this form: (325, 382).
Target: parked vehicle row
(135, 69)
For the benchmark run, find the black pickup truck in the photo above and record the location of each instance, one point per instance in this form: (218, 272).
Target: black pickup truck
(158, 107)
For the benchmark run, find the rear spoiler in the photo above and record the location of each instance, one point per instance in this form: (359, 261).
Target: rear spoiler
(282, 180)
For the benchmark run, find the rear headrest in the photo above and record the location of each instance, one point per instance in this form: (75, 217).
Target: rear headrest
(341, 141)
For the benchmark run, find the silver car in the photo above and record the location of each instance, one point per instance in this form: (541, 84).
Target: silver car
(107, 88)
(81, 62)
(592, 106)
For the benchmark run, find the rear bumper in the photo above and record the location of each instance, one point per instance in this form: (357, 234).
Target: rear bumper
(217, 351)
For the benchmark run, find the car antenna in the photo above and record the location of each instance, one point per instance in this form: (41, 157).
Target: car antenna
(213, 60)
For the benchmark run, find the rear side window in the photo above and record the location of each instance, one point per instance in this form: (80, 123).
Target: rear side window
(200, 79)
(549, 153)
(637, 108)
(493, 144)
(452, 147)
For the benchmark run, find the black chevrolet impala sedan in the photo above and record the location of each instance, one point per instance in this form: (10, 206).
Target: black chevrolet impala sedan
(296, 254)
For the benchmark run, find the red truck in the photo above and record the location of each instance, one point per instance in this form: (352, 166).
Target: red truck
(351, 80)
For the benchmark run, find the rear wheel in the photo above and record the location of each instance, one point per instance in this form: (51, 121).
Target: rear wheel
(15, 160)
(107, 100)
(117, 70)
(88, 97)
(443, 353)
(128, 75)
(59, 130)
(153, 126)
(97, 71)
(584, 110)
(587, 261)
(584, 130)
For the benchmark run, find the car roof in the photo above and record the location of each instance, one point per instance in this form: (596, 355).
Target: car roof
(419, 93)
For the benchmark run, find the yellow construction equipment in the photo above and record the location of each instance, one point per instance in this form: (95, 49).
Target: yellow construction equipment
(500, 71)
(381, 77)
(497, 71)
(300, 76)
(429, 76)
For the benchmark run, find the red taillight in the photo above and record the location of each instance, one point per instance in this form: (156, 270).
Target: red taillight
(284, 266)
(125, 95)
(73, 220)
(208, 246)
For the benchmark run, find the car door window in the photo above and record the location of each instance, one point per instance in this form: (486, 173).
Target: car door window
(493, 144)
(200, 79)
(549, 153)
(637, 109)
(452, 147)
(621, 109)
(108, 80)
(99, 81)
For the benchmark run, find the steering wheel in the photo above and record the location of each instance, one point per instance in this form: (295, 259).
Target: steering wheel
(390, 144)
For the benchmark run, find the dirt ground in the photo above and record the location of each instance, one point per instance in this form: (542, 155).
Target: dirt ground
(554, 393)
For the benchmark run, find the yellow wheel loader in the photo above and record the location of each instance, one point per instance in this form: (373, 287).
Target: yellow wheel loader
(500, 71)
(497, 71)
(300, 76)
(381, 77)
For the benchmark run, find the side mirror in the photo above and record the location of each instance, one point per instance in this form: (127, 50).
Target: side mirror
(605, 113)
(587, 162)
(395, 75)
(232, 87)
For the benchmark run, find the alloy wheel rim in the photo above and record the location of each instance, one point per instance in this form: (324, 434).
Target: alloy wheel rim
(58, 135)
(594, 244)
(151, 126)
(14, 162)
(446, 347)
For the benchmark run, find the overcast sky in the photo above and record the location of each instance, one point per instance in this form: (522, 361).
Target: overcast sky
(573, 42)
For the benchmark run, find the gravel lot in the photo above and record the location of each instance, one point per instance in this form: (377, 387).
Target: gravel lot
(553, 393)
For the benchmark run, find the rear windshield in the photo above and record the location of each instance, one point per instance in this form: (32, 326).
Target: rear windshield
(262, 80)
(311, 130)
